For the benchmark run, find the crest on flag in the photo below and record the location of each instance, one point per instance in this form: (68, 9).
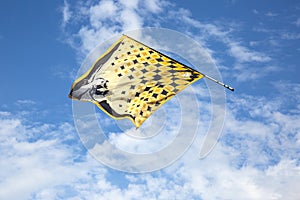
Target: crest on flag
(131, 80)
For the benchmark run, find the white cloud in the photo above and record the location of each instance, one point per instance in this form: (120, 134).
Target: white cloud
(154, 5)
(241, 167)
(255, 159)
(25, 102)
(297, 22)
(243, 54)
(131, 20)
(258, 154)
(248, 62)
(255, 11)
(213, 180)
(290, 36)
(154, 134)
(245, 58)
(35, 158)
(66, 12)
(235, 48)
(289, 95)
(209, 29)
(271, 14)
(246, 73)
(102, 11)
(107, 18)
(4, 113)
(246, 151)
(277, 35)
(130, 4)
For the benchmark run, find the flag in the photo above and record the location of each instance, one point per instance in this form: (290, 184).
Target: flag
(131, 80)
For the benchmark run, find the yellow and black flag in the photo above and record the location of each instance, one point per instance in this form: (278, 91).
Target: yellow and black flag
(132, 80)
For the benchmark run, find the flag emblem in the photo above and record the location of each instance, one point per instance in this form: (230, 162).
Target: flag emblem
(131, 80)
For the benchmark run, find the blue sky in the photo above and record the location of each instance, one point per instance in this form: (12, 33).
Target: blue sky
(255, 46)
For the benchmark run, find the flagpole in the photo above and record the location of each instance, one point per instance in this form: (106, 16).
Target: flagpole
(218, 82)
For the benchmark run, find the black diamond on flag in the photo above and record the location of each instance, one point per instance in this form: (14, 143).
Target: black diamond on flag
(132, 69)
(164, 92)
(159, 60)
(144, 71)
(157, 71)
(147, 88)
(145, 64)
(155, 95)
(157, 77)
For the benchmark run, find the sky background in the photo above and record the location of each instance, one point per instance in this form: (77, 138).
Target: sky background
(256, 47)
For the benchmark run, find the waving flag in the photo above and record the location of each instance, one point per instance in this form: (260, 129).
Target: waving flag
(131, 80)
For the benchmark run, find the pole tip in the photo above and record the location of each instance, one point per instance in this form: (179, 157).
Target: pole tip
(229, 88)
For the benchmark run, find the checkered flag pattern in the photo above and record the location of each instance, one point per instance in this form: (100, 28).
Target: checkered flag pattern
(132, 80)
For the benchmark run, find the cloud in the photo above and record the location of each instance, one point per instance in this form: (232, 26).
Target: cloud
(278, 35)
(297, 22)
(257, 156)
(248, 64)
(105, 19)
(243, 54)
(289, 95)
(52, 166)
(162, 128)
(271, 14)
(102, 11)
(66, 13)
(255, 11)
(108, 18)
(249, 150)
(25, 102)
(275, 126)
(223, 34)
(155, 6)
(214, 180)
(246, 73)
(290, 36)
(35, 158)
